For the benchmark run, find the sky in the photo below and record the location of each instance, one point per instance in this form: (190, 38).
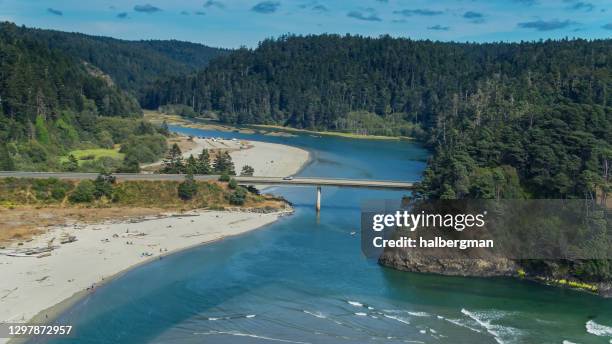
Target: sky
(235, 23)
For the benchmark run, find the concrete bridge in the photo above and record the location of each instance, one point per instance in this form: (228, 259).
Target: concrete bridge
(318, 182)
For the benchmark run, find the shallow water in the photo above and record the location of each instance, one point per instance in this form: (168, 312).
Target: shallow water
(303, 279)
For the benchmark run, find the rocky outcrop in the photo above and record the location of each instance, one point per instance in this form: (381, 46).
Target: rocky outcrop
(605, 289)
(416, 261)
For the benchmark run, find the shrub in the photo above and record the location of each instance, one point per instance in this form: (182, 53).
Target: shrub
(104, 186)
(130, 165)
(58, 191)
(247, 171)
(224, 178)
(72, 164)
(84, 192)
(232, 184)
(35, 151)
(238, 197)
(188, 188)
(252, 189)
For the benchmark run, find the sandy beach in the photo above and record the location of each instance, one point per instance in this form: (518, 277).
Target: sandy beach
(33, 284)
(267, 159)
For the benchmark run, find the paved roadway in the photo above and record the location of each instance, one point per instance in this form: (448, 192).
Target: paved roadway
(298, 181)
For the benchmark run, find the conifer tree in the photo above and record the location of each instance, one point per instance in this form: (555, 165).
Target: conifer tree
(173, 164)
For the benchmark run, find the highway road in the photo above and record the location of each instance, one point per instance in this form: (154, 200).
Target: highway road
(298, 181)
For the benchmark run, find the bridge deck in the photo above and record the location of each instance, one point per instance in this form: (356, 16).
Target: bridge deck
(297, 181)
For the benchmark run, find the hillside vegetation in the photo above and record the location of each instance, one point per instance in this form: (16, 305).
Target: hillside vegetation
(15, 192)
(132, 65)
(530, 119)
(61, 92)
(503, 120)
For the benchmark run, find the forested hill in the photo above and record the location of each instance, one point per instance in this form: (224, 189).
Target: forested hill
(506, 119)
(37, 81)
(132, 65)
(52, 103)
(315, 81)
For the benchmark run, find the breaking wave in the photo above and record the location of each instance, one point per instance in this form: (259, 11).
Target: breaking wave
(240, 334)
(484, 319)
(598, 329)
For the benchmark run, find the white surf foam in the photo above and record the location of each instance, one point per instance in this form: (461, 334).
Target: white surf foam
(315, 314)
(419, 314)
(458, 322)
(484, 319)
(355, 303)
(240, 334)
(231, 317)
(361, 314)
(396, 318)
(598, 329)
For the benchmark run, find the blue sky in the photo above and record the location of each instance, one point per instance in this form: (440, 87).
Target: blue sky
(234, 23)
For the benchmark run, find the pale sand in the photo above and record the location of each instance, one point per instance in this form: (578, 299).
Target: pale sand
(267, 159)
(30, 285)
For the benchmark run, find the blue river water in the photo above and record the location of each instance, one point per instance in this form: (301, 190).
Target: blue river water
(303, 279)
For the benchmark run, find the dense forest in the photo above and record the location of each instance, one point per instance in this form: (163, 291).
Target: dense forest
(132, 65)
(52, 102)
(530, 119)
(504, 120)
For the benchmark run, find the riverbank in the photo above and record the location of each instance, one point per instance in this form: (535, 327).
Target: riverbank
(267, 159)
(40, 285)
(272, 130)
(331, 133)
(33, 284)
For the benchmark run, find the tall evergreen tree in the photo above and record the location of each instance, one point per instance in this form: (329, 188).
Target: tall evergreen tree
(203, 162)
(224, 164)
(191, 165)
(173, 164)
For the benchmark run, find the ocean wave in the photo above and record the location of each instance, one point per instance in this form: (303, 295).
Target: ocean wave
(568, 342)
(241, 334)
(419, 314)
(598, 329)
(396, 318)
(232, 317)
(484, 319)
(315, 314)
(458, 322)
(361, 314)
(403, 311)
(354, 303)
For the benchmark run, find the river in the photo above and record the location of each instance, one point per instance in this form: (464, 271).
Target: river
(303, 279)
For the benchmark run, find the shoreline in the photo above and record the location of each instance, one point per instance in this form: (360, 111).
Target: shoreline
(201, 123)
(52, 313)
(267, 159)
(38, 289)
(333, 133)
(49, 285)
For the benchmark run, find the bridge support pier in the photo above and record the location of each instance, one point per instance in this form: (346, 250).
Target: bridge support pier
(318, 205)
